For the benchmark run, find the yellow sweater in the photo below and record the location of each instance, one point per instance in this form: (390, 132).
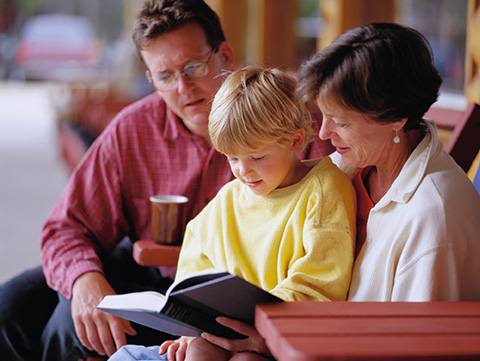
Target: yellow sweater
(297, 242)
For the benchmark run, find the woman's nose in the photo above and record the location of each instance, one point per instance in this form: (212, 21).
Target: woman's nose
(325, 131)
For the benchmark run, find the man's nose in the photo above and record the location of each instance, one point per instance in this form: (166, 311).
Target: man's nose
(184, 84)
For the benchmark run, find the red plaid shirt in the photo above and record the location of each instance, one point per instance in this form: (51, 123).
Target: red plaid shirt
(145, 150)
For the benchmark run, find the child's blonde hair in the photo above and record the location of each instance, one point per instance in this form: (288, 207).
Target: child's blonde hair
(256, 106)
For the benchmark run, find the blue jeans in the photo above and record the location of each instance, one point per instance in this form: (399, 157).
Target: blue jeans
(140, 353)
(26, 303)
(36, 322)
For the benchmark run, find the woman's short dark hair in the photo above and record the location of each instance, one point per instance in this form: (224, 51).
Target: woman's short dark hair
(384, 70)
(158, 17)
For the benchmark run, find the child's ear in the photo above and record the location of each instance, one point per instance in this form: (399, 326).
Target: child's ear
(298, 140)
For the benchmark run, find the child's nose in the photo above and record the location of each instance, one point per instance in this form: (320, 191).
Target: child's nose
(245, 170)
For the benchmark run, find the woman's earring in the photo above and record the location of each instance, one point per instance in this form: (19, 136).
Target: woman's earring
(396, 140)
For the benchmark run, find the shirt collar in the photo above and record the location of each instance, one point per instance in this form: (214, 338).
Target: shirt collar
(414, 169)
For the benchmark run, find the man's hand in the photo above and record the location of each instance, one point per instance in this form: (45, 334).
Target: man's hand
(254, 342)
(97, 330)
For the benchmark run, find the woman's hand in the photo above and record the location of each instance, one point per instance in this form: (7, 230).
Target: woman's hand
(176, 346)
(254, 342)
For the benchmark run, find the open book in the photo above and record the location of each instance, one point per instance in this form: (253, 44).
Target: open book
(191, 305)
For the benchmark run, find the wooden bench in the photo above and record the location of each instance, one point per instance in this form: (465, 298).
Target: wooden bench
(464, 142)
(313, 331)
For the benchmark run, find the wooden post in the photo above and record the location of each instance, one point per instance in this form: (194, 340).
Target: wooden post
(472, 58)
(341, 15)
(130, 10)
(233, 15)
(271, 33)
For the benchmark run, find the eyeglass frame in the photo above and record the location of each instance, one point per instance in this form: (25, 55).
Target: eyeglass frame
(152, 78)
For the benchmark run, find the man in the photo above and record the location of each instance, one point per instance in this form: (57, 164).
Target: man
(157, 145)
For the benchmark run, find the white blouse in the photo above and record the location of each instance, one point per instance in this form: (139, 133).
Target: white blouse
(423, 236)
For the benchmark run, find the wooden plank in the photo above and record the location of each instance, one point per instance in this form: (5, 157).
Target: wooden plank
(443, 117)
(462, 347)
(149, 253)
(361, 309)
(464, 143)
(378, 325)
(306, 331)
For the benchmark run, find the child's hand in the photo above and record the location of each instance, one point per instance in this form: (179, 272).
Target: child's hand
(176, 349)
(254, 342)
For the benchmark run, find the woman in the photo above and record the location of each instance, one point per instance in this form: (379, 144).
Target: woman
(418, 213)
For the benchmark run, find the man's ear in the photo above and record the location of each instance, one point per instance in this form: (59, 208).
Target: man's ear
(149, 76)
(227, 55)
(298, 140)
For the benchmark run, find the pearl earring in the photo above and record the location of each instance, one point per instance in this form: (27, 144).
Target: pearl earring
(396, 140)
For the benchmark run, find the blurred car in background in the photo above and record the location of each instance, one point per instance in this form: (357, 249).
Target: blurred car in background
(57, 47)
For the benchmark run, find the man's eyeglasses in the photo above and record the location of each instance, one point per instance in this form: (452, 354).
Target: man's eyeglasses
(196, 71)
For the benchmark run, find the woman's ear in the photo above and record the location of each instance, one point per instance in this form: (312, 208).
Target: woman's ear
(400, 124)
(298, 140)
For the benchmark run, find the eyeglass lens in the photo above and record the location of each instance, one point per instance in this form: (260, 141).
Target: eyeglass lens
(194, 71)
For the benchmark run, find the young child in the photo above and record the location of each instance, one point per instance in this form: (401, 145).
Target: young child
(284, 225)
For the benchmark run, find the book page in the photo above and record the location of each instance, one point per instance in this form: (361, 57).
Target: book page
(147, 301)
